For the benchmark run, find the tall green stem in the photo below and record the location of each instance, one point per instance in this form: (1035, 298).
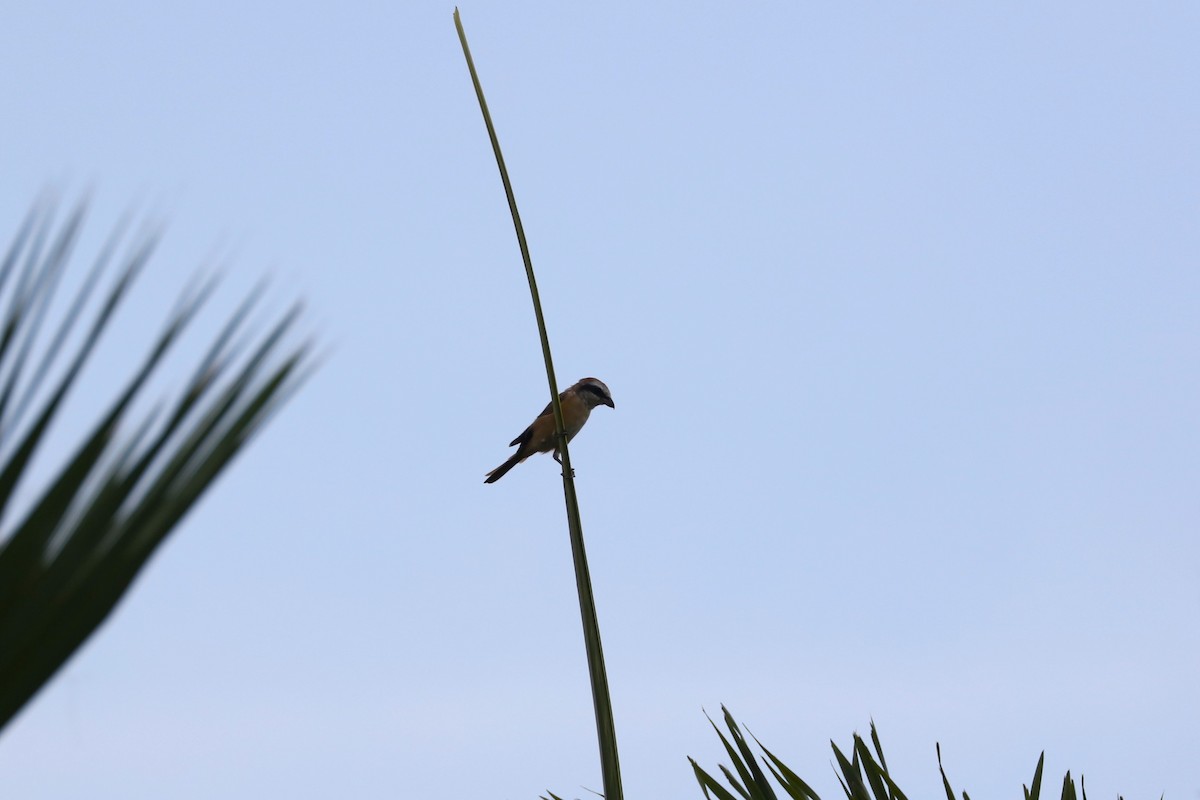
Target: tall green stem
(605, 729)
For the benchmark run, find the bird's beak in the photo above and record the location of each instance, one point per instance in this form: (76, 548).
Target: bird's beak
(610, 404)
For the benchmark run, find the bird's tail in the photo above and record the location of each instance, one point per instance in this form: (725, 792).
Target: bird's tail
(500, 471)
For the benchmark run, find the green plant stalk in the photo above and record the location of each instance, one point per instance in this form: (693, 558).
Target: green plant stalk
(605, 729)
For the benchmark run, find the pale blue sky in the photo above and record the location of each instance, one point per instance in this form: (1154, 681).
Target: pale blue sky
(900, 308)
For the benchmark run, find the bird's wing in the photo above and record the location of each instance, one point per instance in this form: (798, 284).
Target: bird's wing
(523, 438)
(546, 412)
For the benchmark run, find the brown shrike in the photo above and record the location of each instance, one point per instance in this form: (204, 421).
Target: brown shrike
(577, 404)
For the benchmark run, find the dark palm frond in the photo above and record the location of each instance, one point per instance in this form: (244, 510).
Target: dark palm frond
(790, 781)
(1068, 790)
(852, 773)
(946, 781)
(744, 761)
(709, 784)
(882, 785)
(750, 782)
(67, 562)
(1034, 791)
(863, 776)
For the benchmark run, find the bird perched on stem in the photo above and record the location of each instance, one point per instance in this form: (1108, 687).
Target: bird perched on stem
(577, 403)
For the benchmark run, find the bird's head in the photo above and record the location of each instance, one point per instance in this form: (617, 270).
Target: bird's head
(594, 393)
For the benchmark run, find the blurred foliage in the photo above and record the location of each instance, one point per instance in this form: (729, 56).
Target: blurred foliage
(69, 558)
